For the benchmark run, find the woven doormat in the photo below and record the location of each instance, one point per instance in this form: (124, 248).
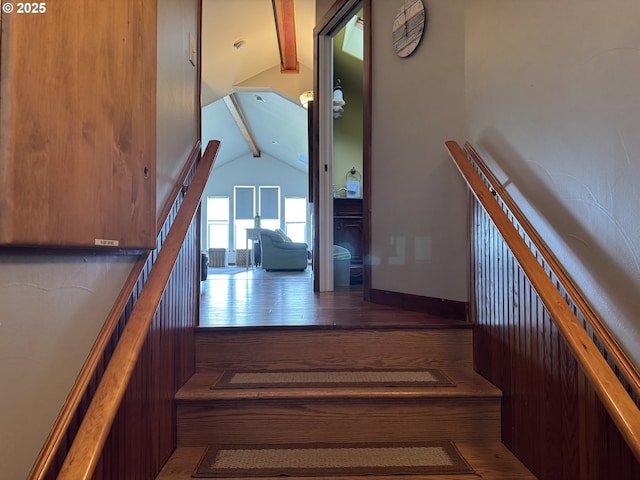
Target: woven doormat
(333, 378)
(318, 460)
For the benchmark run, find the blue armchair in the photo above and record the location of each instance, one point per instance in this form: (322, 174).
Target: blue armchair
(279, 253)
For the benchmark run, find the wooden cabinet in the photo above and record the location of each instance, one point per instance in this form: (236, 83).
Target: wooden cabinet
(77, 126)
(348, 232)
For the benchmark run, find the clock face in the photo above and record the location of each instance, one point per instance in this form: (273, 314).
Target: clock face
(408, 27)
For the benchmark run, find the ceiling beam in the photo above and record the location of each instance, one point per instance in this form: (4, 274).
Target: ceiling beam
(285, 18)
(236, 112)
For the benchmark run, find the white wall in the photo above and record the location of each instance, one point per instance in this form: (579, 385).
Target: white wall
(553, 101)
(418, 198)
(53, 306)
(249, 171)
(290, 85)
(178, 106)
(52, 310)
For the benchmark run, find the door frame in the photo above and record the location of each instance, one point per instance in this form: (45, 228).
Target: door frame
(322, 142)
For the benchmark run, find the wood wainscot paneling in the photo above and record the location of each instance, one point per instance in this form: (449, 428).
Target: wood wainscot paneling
(437, 307)
(143, 435)
(552, 418)
(78, 128)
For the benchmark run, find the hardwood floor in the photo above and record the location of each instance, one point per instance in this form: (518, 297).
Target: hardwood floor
(235, 297)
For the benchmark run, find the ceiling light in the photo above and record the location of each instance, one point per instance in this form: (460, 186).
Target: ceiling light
(338, 100)
(306, 97)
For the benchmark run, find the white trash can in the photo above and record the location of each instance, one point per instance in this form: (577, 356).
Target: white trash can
(341, 266)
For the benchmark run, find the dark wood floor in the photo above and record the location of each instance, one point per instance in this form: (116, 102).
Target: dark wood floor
(235, 297)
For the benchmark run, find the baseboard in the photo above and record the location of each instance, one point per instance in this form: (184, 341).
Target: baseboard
(433, 306)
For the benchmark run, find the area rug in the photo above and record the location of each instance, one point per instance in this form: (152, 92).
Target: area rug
(226, 270)
(431, 377)
(321, 460)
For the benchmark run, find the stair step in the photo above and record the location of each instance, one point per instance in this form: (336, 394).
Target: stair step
(468, 411)
(299, 348)
(467, 384)
(490, 460)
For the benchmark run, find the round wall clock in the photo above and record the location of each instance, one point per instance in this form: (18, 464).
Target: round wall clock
(408, 27)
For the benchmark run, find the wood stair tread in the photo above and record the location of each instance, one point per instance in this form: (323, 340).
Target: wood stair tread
(467, 384)
(366, 323)
(491, 461)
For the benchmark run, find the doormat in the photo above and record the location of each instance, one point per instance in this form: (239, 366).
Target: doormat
(318, 460)
(430, 377)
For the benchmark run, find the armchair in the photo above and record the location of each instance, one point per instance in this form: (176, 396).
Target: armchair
(279, 253)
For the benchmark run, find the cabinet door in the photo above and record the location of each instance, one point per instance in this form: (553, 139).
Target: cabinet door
(77, 126)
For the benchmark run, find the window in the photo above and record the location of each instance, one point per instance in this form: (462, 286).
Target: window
(269, 207)
(218, 222)
(295, 218)
(244, 212)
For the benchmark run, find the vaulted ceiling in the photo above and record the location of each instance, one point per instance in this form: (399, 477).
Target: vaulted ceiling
(249, 91)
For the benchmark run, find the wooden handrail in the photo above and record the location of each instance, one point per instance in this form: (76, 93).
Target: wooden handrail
(611, 346)
(609, 389)
(178, 185)
(86, 449)
(58, 432)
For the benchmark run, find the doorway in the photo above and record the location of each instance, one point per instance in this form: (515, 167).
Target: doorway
(341, 157)
(254, 109)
